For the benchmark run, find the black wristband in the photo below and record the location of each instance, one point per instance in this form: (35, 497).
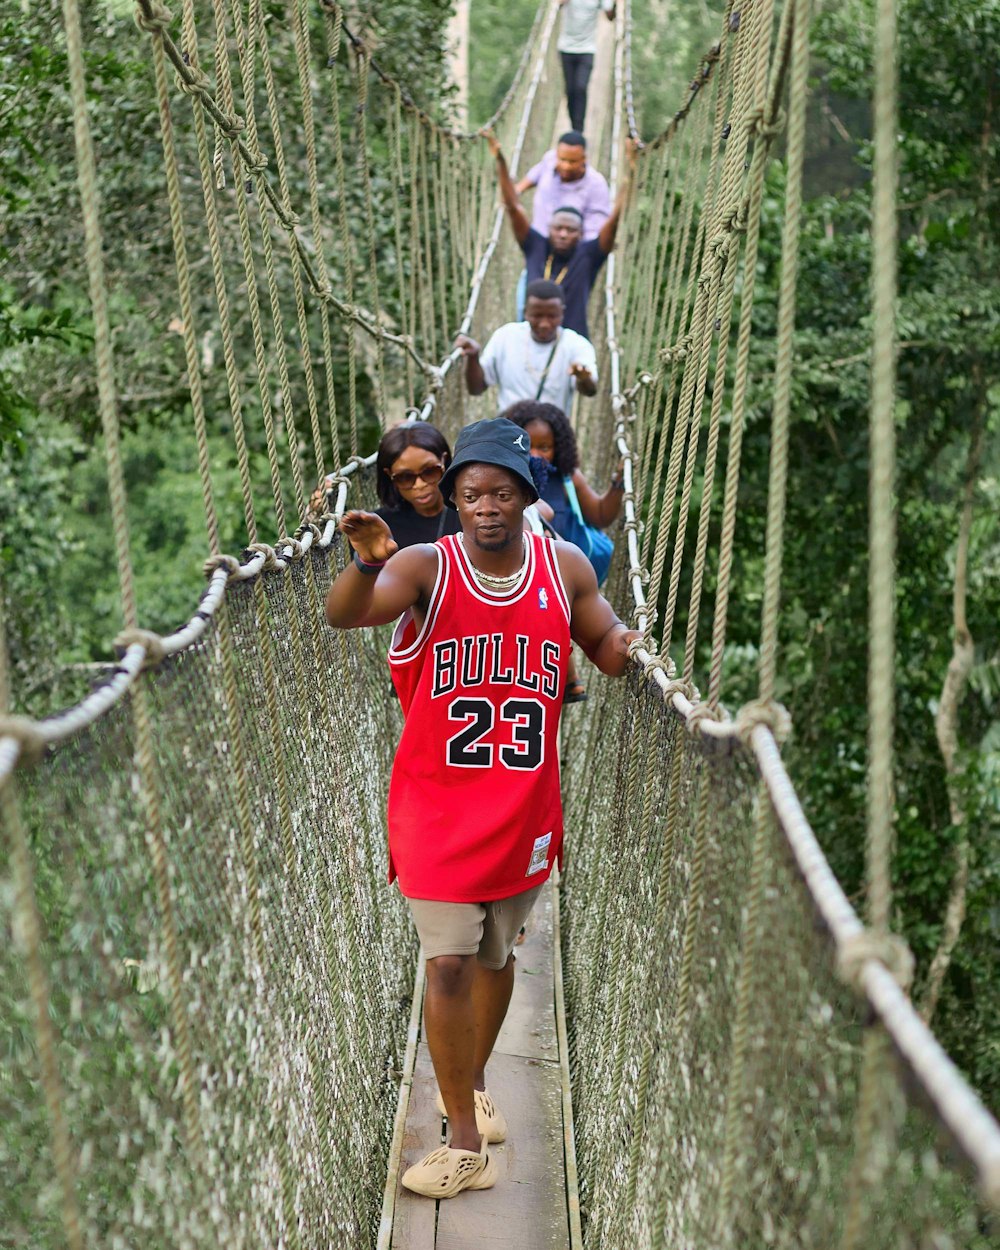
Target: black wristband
(369, 570)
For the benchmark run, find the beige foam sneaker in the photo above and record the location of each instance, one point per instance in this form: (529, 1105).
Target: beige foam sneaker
(489, 1117)
(446, 1172)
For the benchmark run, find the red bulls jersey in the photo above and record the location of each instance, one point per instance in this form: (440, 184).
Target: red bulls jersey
(475, 812)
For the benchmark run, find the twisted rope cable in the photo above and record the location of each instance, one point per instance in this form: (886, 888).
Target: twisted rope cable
(243, 807)
(305, 352)
(865, 1172)
(396, 148)
(702, 323)
(778, 474)
(248, 156)
(27, 935)
(361, 72)
(300, 19)
(89, 200)
(208, 181)
(725, 261)
(761, 152)
(421, 115)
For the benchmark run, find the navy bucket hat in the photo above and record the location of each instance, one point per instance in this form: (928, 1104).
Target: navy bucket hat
(494, 441)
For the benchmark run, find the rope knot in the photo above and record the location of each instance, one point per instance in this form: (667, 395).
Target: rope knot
(642, 611)
(763, 712)
(681, 685)
(193, 81)
(229, 563)
(887, 948)
(736, 222)
(653, 661)
(358, 460)
(630, 527)
(757, 123)
(29, 739)
(295, 552)
(290, 218)
(156, 652)
(233, 126)
(152, 17)
(256, 164)
(700, 712)
(270, 558)
(720, 244)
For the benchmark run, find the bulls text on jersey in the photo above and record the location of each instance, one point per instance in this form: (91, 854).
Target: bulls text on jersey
(499, 659)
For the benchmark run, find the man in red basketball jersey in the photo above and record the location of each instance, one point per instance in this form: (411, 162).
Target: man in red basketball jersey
(479, 659)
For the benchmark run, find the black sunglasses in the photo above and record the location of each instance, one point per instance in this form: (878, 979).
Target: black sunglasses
(407, 478)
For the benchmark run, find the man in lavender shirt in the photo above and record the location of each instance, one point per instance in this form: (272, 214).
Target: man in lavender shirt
(563, 179)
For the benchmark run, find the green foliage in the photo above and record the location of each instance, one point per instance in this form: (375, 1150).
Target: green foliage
(497, 34)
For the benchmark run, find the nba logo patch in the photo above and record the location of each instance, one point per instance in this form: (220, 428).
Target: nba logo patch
(543, 597)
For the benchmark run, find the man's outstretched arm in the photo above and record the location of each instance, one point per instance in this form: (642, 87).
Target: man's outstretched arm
(519, 220)
(609, 231)
(392, 582)
(603, 638)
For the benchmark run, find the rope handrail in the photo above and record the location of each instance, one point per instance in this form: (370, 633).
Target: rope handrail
(154, 19)
(21, 744)
(225, 836)
(974, 1131)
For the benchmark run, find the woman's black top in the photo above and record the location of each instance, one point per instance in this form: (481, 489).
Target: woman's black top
(409, 526)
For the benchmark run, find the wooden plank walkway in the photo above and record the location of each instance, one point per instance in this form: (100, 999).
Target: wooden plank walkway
(527, 1207)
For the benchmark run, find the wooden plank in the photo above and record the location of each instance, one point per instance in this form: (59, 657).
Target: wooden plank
(530, 1027)
(392, 1185)
(527, 1206)
(414, 1216)
(569, 1134)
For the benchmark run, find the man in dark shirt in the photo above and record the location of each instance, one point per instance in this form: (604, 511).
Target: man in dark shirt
(564, 257)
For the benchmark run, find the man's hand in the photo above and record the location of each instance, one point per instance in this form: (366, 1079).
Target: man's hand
(492, 142)
(631, 153)
(624, 640)
(369, 535)
(467, 346)
(583, 377)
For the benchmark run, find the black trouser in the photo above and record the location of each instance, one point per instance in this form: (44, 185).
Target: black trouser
(577, 67)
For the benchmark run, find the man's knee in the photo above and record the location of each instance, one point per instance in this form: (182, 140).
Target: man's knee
(451, 974)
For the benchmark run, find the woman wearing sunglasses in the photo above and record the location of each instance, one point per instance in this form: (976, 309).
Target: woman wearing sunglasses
(411, 462)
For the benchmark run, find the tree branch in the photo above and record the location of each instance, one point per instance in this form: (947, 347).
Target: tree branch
(946, 729)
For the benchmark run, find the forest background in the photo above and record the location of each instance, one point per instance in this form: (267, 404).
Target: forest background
(57, 572)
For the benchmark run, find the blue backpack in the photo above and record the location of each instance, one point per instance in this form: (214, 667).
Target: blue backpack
(594, 543)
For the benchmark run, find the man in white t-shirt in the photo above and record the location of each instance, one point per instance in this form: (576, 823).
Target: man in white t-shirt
(537, 358)
(577, 45)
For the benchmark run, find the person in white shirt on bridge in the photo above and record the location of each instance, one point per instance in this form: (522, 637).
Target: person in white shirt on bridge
(538, 358)
(577, 45)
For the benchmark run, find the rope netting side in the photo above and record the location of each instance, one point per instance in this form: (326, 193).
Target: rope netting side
(728, 1084)
(208, 997)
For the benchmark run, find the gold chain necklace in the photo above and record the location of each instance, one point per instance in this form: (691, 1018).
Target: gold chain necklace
(561, 274)
(490, 580)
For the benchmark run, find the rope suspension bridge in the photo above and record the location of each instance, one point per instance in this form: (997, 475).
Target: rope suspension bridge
(208, 996)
